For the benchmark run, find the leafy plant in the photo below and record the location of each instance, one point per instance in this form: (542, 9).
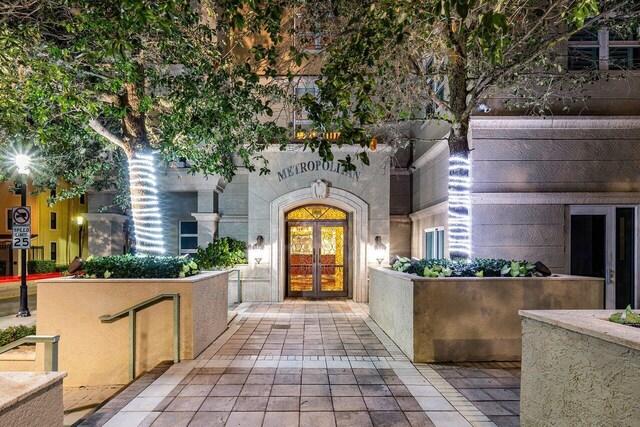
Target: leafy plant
(14, 333)
(517, 269)
(221, 253)
(130, 267)
(627, 317)
(433, 268)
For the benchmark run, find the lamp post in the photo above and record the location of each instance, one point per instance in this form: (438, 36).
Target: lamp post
(22, 163)
(80, 221)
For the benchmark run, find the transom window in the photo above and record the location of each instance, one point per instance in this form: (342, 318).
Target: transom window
(316, 212)
(604, 50)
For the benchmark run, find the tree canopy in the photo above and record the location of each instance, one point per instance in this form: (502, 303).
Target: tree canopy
(393, 62)
(80, 78)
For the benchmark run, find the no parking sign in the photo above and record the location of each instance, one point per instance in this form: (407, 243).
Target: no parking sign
(21, 219)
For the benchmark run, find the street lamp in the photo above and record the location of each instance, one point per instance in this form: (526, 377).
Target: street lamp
(80, 221)
(22, 163)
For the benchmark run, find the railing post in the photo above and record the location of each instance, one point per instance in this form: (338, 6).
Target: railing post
(239, 288)
(176, 328)
(48, 357)
(132, 344)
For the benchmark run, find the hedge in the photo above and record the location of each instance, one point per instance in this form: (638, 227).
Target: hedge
(41, 266)
(469, 268)
(131, 267)
(14, 333)
(221, 253)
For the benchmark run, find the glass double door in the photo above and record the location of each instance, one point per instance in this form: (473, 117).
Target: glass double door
(316, 259)
(603, 244)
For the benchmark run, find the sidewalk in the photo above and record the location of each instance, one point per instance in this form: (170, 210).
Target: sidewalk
(12, 320)
(315, 364)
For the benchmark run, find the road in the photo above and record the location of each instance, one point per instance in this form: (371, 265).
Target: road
(10, 300)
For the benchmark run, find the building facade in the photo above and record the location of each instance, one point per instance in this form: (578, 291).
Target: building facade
(55, 229)
(561, 189)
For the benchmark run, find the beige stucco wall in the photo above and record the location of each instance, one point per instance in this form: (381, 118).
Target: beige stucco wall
(468, 319)
(31, 399)
(96, 353)
(578, 376)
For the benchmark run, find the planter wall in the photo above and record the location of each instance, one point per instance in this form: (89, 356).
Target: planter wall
(31, 398)
(579, 369)
(96, 353)
(468, 319)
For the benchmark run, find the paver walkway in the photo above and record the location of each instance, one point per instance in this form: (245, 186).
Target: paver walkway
(309, 363)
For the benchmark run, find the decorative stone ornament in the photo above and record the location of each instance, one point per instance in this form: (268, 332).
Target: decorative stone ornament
(319, 189)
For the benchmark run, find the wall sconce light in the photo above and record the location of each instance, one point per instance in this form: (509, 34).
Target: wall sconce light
(379, 250)
(257, 250)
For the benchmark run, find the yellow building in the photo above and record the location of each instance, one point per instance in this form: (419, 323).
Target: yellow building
(55, 228)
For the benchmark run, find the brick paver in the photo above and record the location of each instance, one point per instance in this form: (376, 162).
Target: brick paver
(317, 363)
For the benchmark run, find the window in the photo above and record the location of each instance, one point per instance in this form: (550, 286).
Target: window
(54, 251)
(434, 243)
(54, 221)
(624, 51)
(312, 30)
(82, 199)
(9, 219)
(301, 120)
(188, 237)
(52, 193)
(604, 50)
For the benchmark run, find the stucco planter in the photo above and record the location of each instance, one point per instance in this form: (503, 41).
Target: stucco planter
(31, 398)
(579, 369)
(96, 353)
(468, 319)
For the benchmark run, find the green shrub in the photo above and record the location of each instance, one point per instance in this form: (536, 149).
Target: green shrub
(14, 333)
(221, 253)
(41, 266)
(462, 268)
(62, 268)
(131, 267)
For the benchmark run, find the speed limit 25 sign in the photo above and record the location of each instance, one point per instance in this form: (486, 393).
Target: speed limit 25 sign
(21, 236)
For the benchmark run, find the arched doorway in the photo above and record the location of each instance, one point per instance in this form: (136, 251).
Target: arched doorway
(317, 252)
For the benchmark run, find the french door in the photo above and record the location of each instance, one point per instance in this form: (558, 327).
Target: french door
(316, 259)
(603, 244)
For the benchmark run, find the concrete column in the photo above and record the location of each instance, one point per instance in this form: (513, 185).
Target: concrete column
(207, 201)
(106, 234)
(207, 226)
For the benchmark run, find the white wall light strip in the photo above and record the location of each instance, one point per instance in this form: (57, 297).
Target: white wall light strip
(460, 207)
(144, 205)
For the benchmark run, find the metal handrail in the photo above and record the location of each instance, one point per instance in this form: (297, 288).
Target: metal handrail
(239, 292)
(131, 312)
(50, 348)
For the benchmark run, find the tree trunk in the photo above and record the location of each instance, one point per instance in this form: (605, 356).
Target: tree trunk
(143, 187)
(145, 205)
(459, 192)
